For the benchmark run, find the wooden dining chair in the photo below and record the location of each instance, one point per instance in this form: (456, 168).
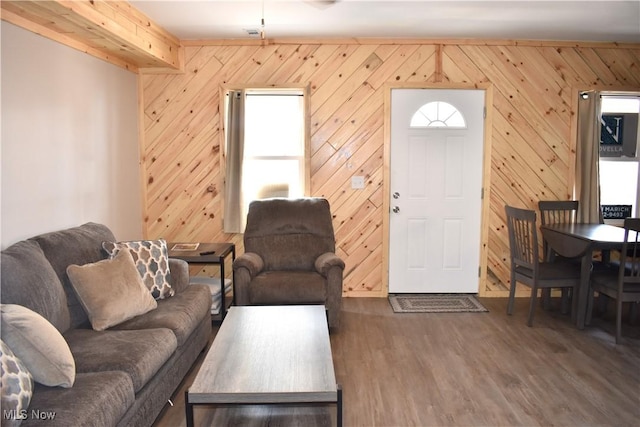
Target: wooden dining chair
(622, 283)
(526, 266)
(556, 212)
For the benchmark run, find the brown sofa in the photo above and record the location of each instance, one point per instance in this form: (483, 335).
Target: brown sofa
(290, 256)
(124, 374)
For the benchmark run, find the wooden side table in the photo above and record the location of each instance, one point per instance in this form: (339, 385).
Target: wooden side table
(207, 253)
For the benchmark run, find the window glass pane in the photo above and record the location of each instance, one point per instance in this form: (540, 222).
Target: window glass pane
(430, 110)
(272, 178)
(456, 120)
(274, 125)
(419, 120)
(619, 183)
(438, 114)
(620, 105)
(445, 110)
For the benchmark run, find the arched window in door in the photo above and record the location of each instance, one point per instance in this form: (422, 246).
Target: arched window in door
(438, 114)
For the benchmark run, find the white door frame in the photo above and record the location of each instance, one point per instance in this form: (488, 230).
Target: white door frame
(486, 168)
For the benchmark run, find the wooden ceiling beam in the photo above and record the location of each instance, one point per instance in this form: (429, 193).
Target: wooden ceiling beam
(114, 31)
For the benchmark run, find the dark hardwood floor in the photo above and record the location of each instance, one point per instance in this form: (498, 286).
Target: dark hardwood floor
(463, 369)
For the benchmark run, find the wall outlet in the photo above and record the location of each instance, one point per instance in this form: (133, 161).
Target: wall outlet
(357, 182)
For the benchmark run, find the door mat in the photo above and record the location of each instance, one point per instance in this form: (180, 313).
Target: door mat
(435, 303)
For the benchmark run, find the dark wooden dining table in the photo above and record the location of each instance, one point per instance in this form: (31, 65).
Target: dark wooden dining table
(582, 240)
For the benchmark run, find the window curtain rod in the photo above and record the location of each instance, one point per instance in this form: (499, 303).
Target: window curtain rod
(630, 95)
(268, 94)
(274, 94)
(269, 91)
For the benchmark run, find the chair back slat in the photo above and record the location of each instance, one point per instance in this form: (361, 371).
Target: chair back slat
(558, 211)
(523, 237)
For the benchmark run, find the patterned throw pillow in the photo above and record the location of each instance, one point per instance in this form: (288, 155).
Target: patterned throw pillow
(152, 261)
(17, 387)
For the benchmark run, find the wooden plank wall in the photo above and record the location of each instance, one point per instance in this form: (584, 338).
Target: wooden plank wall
(532, 115)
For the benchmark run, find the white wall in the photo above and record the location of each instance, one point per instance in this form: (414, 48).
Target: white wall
(69, 140)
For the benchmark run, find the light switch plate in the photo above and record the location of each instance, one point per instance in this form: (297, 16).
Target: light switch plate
(357, 182)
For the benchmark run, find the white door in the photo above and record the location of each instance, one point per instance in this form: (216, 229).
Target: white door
(436, 184)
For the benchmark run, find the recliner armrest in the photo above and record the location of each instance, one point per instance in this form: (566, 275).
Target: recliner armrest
(251, 261)
(327, 261)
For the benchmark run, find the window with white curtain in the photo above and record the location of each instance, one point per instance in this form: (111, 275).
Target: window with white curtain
(619, 178)
(275, 148)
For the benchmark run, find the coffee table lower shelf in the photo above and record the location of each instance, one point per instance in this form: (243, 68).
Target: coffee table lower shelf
(290, 401)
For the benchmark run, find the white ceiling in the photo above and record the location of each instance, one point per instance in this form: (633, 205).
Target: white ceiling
(586, 20)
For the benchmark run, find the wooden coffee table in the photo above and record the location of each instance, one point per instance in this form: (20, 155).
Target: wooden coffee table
(268, 355)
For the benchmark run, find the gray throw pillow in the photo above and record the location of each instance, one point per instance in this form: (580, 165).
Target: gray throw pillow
(111, 291)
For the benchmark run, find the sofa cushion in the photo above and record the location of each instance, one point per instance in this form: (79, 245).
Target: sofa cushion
(38, 344)
(288, 287)
(29, 280)
(151, 258)
(97, 399)
(16, 384)
(111, 291)
(181, 313)
(78, 245)
(139, 353)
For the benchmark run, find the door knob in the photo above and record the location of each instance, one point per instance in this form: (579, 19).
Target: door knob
(396, 209)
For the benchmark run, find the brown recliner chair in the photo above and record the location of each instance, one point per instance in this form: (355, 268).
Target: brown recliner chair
(290, 256)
